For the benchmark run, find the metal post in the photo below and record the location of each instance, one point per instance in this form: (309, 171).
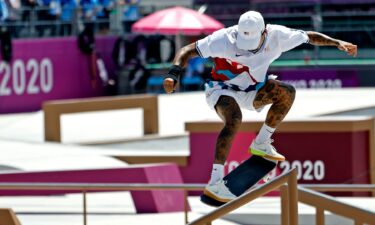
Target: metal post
(319, 216)
(293, 198)
(115, 20)
(186, 206)
(284, 205)
(84, 208)
(33, 18)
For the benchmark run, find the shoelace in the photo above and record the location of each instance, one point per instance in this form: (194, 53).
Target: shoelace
(269, 141)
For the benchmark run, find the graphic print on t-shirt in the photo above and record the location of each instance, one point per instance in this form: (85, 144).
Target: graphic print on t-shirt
(225, 69)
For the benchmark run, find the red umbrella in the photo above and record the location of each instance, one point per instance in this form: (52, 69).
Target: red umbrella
(177, 20)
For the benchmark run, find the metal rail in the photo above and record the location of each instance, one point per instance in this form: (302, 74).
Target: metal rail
(324, 202)
(320, 201)
(340, 187)
(290, 177)
(87, 187)
(99, 186)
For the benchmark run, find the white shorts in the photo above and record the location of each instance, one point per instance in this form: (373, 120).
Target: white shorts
(244, 99)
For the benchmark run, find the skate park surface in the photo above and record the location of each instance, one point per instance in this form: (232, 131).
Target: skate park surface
(96, 136)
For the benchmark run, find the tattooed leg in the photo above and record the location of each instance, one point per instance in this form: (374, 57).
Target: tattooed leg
(280, 95)
(229, 111)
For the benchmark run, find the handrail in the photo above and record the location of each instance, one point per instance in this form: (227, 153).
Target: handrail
(290, 177)
(85, 187)
(99, 186)
(325, 202)
(164, 186)
(340, 187)
(306, 194)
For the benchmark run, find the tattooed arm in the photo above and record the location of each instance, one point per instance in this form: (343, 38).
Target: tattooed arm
(316, 38)
(180, 60)
(185, 53)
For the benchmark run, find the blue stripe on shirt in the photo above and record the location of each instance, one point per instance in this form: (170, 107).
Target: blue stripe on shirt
(226, 73)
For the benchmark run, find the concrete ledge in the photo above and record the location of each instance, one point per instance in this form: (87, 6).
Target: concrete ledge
(140, 159)
(318, 124)
(355, 134)
(54, 109)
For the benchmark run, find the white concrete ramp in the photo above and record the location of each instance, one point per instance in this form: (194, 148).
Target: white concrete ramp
(22, 148)
(32, 157)
(174, 111)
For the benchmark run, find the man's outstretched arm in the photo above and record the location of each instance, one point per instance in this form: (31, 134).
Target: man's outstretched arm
(316, 38)
(180, 61)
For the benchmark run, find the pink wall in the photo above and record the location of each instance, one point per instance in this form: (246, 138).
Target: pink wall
(320, 157)
(45, 69)
(144, 201)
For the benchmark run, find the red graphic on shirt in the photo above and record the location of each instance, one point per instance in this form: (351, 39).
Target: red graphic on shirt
(229, 66)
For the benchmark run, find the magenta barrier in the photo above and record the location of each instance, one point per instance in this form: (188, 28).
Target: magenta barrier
(340, 157)
(323, 152)
(319, 78)
(145, 201)
(46, 69)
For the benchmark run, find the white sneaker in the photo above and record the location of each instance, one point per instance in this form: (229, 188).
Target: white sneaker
(266, 150)
(219, 191)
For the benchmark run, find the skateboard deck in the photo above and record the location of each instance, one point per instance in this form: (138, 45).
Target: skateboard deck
(245, 176)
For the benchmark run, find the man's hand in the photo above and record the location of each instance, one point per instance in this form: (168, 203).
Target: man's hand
(171, 79)
(169, 85)
(180, 60)
(348, 47)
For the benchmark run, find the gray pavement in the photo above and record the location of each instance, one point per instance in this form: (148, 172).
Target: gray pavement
(22, 148)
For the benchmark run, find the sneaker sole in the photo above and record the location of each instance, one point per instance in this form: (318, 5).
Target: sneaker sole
(215, 197)
(262, 154)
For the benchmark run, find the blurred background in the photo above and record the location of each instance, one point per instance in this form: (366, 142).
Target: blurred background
(127, 55)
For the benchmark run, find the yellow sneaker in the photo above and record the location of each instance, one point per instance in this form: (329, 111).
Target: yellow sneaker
(266, 150)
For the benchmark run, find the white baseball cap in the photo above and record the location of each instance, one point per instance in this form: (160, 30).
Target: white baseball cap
(250, 29)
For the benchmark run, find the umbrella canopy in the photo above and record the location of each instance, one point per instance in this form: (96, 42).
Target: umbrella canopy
(177, 20)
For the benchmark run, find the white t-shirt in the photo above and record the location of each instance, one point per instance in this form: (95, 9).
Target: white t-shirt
(242, 68)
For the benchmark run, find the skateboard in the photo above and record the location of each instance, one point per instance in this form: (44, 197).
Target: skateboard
(245, 176)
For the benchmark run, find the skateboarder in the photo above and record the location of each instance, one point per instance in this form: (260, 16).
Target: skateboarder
(242, 55)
